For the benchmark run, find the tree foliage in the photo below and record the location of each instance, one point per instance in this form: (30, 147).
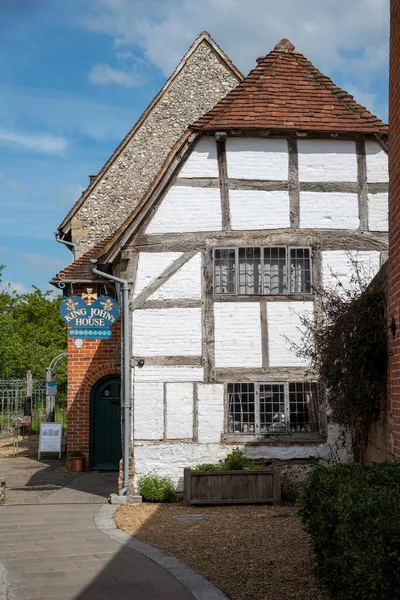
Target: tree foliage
(32, 333)
(348, 349)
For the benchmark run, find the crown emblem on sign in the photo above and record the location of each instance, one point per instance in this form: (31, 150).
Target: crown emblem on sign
(70, 304)
(89, 297)
(107, 304)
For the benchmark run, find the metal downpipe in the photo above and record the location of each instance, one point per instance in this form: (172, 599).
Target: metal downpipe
(71, 245)
(126, 366)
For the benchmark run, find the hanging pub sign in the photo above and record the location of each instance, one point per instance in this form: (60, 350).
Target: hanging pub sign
(91, 319)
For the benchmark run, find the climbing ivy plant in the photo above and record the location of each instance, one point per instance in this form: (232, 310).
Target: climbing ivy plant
(347, 346)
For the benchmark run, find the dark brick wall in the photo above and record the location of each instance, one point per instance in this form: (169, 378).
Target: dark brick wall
(394, 229)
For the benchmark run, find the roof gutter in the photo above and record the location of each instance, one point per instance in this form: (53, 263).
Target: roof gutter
(70, 245)
(125, 284)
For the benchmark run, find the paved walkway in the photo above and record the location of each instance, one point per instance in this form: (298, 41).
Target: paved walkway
(56, 551)
(58, 540)
(30, 481)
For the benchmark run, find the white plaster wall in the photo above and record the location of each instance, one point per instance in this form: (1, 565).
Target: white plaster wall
(179, 413)
(255, 158)
(337, 268)
(327, 160)
(186, 208)
(377, 163)
(167, 332)
(167, 373)
(237, 334)
(257, 209)
(284, 329)
(149, 411)
(170, 458)
(202, 161)
(184, 284)
(378, 212)
(210, 410)
(150, 266)
(328, 210)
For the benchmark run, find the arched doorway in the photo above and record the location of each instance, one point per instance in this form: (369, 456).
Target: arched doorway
(105, 424)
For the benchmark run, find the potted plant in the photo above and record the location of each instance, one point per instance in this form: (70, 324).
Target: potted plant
(234, 480)
(77, 461)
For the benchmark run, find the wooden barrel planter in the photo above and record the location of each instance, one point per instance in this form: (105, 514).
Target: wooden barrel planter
(232, 487)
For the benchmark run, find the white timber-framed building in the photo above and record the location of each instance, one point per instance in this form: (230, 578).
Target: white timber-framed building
(268, 196)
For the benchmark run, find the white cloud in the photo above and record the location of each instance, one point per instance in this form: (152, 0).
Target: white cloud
(14, 286)
(105, 74)
(66, 114)
(12, 184)
(49, 144)
(351, 37)
(69, 194)
(124, 56)
(43, 263)
(364, 98)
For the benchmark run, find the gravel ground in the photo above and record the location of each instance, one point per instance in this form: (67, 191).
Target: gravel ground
(27, 446)
(250, 552)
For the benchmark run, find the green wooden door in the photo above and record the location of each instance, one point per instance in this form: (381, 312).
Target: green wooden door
(106, 424)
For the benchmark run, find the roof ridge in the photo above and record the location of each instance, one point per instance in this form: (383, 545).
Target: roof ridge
(204, 36)
(341, 94)
(273, 109)
(103, 247)
(229, 98)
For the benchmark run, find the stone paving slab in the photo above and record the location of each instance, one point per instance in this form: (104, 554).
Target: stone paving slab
(200, 587)
(91, 566)
(51, 547)
(30, 481)
(89, 488)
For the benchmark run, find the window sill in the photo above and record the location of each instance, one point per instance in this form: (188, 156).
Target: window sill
(258, 297)
(281, 438)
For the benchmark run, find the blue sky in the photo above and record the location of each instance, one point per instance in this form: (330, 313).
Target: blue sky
(76, 75)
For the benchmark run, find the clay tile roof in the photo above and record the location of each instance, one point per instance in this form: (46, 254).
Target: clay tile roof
(285, 91)
(81, 268)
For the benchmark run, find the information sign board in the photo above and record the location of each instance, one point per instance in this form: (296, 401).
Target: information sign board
(50, 438)
(27, 420)
(51, 388)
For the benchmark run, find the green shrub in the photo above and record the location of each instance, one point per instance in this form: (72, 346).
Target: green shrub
(235, 461)
(155, 488)
(77, 454)
(208, 467)
(352, 513)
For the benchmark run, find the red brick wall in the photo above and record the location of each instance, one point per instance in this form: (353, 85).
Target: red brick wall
(394, 227)
(86, 365)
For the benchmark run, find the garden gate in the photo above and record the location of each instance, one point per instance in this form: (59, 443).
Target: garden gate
(12, 395)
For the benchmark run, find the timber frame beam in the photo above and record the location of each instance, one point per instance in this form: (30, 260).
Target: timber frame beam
(160, 280)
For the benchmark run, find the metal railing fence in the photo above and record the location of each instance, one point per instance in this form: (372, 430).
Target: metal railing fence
(12, 395)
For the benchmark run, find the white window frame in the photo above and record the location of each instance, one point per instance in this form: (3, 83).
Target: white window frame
(289, 279)
(287, 292)
(257, 421)
(236, 269)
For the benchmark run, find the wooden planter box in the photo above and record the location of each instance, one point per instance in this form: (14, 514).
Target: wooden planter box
(232, 487)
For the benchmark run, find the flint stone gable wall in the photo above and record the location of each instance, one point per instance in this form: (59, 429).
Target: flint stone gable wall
(201, 83)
